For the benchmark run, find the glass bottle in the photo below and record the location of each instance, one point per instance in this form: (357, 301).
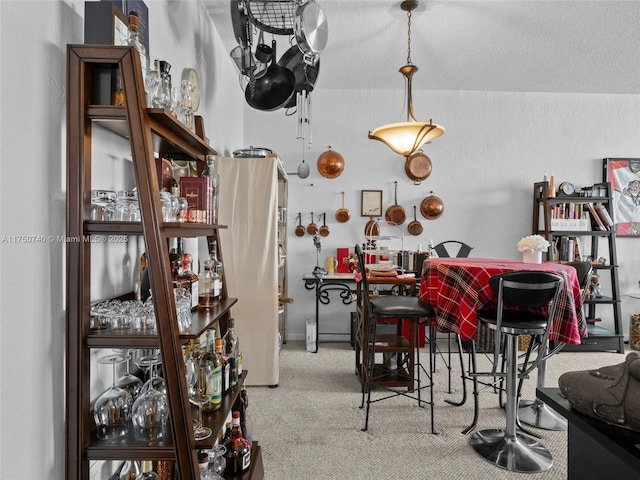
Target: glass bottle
(189, 279)
(217, 271)
(134, 41)
(207, 172)
(231, 346)
(205, 286)
(238, 454)
(174, 262)
(225, 365)
(215, 186)
(147, 471)
(162, 96)
(213, 371)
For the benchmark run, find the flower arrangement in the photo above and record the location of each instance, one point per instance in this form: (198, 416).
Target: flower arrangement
(532, 243)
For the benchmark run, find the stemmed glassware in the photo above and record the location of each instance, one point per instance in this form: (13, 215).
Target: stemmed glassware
(112, 410)
(217, 462)
(150, 410)
(198, 396)
(128, 381)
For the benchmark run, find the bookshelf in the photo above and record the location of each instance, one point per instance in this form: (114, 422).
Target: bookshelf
(575, 225)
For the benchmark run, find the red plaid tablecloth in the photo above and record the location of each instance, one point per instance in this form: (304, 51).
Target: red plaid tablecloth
(457, 288)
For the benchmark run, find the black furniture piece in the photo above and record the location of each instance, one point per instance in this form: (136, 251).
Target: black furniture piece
(523, 290)
(595, 449)
(535, 412)
(442, 249)
(400, 307)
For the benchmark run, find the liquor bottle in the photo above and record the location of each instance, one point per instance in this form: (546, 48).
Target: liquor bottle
(212, 365)
(238, 454)
(134, 41)
(203, 466)
(206, 283)
(175, 262)
(189, 279)
(231, 348)
(147, 471)
(225, 365)
(217, 269)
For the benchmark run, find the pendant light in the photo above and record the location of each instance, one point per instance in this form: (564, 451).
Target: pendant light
(406, 138)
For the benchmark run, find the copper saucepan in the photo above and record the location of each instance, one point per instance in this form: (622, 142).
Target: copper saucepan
(372, 228)
(418, 167)
(312, 228)
(395, 214)
(324, 230)
(342, 214)
(300, 229)
(414, 227)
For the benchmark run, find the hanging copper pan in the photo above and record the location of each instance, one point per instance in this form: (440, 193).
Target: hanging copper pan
(414, 227)
(330, 164)
(395, 214)
(342, 214)
(324, 230)
(312, 228)
(418, 167)
(300, 229)
(372, 228)
(431, 207)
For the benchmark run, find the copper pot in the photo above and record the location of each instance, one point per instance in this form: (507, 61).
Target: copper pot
(372, 228)
(312, 228)
(324, 230)
(330, 164)
(418, 167)
(300, 229)
(342, 214)
(395, 214)
(414, 227)
(431, 207)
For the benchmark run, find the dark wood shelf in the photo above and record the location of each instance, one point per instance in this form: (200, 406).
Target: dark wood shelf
(169, 230)
(201, 320)
(171, 136)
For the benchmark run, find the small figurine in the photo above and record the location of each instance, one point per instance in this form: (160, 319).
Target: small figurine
(595, 289)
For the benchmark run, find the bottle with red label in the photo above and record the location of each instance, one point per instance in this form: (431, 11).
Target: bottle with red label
(238, 454)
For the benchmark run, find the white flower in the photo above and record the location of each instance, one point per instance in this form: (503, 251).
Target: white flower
(532, 243)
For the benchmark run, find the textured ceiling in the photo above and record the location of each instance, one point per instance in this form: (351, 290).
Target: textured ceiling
(516, 45)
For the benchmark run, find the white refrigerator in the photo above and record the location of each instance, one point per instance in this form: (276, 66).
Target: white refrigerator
(248, 205)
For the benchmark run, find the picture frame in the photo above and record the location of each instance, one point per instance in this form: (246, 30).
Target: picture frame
(371, 203)
(624, 176)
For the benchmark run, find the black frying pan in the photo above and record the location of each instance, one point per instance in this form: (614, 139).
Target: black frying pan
(305, 74)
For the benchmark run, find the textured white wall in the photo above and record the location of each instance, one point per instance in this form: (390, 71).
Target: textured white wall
(33, 152)
(495, 147)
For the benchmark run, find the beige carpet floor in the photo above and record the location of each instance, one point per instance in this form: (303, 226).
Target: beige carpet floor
(309, 427)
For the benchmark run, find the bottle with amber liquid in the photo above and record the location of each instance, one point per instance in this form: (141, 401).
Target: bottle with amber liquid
(189, 279)
(238, 454)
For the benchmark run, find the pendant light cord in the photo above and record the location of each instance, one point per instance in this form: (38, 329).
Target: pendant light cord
(409, 37)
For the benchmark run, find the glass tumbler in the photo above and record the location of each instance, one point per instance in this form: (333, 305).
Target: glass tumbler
(103, 205)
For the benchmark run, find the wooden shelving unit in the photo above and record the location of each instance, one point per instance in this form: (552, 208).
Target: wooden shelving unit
(599, 338)
(148, 131)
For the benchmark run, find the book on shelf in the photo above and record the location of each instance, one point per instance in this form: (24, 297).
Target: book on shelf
(596, 220)
(604, 214)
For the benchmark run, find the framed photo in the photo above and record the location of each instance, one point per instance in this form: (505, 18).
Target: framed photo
(624, 176)
(371, 203)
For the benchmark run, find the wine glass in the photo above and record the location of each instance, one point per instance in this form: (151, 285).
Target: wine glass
(112, 410)
(155, 382)
(198, 396)
(190, 373)
(150, 410)
(128, 381)
(217, 462)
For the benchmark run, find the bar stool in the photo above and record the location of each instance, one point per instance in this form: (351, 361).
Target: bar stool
(400, 307)
(535, 412)
(507, 448)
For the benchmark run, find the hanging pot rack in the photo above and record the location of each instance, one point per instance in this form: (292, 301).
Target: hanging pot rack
(273, 16)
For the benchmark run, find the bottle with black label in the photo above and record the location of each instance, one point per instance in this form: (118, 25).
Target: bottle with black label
(238, 454)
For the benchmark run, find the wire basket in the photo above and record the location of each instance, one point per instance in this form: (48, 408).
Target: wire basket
(273, 16)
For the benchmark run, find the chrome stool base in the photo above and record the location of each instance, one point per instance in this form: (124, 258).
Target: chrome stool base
(538, 414)
(519, 454)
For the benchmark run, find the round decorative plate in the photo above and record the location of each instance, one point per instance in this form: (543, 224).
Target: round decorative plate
(191, 76)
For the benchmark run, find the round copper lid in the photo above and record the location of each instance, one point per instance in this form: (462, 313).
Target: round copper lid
(330, 164)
